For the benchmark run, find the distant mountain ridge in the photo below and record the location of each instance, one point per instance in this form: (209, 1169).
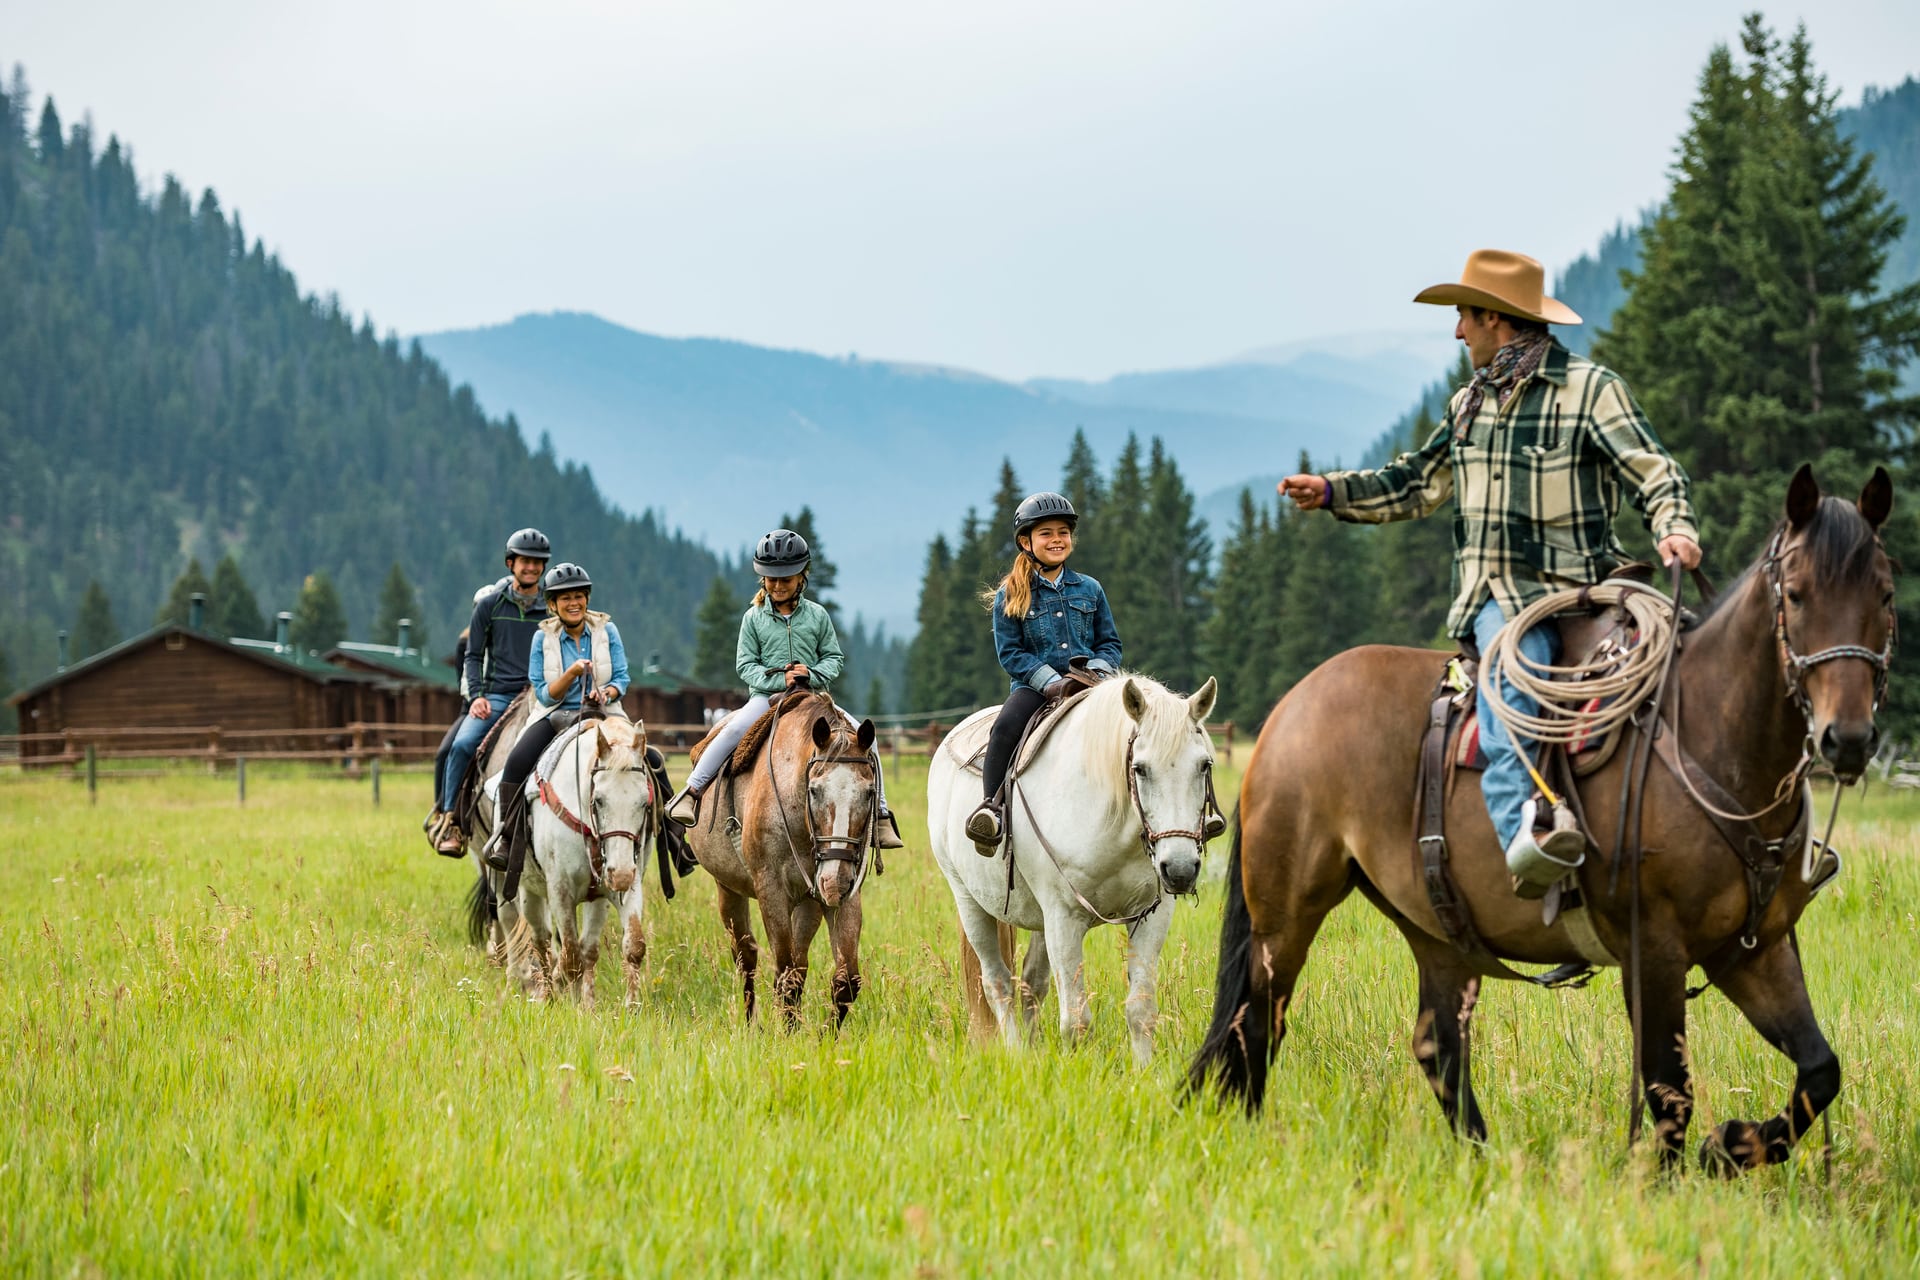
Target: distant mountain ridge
(717, 437)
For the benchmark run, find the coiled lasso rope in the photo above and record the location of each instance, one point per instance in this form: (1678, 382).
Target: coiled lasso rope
(1621, 681)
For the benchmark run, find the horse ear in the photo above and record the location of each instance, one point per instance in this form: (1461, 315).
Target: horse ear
(1133, 700)
(1200, 705)
(602, 744)
(863, 737)
(1803, 496)
(1876, 500)
(822, 732)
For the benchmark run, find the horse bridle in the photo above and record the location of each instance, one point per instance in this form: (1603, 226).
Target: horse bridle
(1794, 665)
(584, 826)
(1148, 836)
(828, 848)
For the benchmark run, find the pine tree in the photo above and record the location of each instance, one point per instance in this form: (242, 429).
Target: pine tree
(1175, 556)
(178, 608)
(1227, 639)
(319, 619)
(876, 703)
(1114, 550)
(94, 631)
(398, 600)
(1413, 561)
(1081, 485)
(936, 670)
(232, 609)
(822, 573)
(716, 635)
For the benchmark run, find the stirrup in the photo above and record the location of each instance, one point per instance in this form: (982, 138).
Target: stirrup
(452, 841)
(984, 829)
(495, 852)
(1212, 827)
(1536, 864)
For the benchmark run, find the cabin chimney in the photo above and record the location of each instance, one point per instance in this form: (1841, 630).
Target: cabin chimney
(63, 651)
(282, 624)
(197, 611)
(406, 634)
(653, 662)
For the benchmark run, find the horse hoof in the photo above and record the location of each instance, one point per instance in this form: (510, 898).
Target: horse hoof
(1732, 1149)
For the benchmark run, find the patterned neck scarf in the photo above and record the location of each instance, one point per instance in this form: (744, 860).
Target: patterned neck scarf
(1511, 365)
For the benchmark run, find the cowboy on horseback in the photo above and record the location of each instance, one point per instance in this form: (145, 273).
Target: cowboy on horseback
(499, 638)
(786, 642)
(576, 663)
(1536, 451)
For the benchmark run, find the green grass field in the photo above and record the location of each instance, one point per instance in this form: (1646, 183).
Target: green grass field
(252, 1041)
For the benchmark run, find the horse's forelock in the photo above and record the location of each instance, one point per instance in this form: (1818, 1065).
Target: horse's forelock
(1841, 543)
(1162, 731)
(624, 742)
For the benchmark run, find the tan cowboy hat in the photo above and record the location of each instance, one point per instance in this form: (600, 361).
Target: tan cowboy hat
(1502, 281)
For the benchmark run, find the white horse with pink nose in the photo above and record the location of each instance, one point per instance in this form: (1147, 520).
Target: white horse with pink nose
(593, 814)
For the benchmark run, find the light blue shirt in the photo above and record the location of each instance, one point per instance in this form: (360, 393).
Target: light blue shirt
(571, 651)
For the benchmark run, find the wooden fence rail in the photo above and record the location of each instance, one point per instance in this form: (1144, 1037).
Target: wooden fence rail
(354, 745)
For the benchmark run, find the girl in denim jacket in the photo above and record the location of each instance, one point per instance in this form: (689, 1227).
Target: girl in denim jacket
(1044, 616)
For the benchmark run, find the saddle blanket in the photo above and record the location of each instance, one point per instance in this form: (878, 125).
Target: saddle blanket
(967, 744)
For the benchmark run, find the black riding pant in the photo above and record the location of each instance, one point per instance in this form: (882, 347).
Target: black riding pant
(534, 739)
(440, 765)
(1019, 708)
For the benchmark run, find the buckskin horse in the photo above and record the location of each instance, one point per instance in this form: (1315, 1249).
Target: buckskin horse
(1788, 666)
(793, 832)
(1106, 822)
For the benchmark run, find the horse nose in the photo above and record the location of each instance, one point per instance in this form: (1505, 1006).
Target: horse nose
(1180, 872)
(1848, 747)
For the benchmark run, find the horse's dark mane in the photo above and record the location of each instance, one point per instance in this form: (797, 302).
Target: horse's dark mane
(1838, 538)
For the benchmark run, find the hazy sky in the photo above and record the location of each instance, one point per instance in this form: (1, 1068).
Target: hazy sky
(1061, 188)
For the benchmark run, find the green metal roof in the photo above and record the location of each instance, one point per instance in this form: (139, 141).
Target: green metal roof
(408, 664)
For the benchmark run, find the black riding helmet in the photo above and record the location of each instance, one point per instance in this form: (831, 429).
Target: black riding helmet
(1036, 507)
(781, 554)
(567, 576)
(530, 543)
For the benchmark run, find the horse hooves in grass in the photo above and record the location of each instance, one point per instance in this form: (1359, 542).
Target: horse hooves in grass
(1737, 1147)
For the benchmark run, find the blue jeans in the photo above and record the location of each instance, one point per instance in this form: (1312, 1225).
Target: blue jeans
(467, 741)
(1506, 785)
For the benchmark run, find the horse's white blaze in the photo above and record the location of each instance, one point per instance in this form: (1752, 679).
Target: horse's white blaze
(1079, 797)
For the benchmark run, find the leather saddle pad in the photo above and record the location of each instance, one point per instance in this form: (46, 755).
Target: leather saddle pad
(967, 744)
(749, 748)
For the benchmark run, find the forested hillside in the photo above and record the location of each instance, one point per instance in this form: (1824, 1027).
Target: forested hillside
(167, 391)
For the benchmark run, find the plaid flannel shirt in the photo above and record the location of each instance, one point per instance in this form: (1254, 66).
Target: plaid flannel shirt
(1537, 483)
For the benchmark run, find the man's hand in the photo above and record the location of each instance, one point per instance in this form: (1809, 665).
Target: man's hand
(1678, 546)
(481, 709)
(1309, 493)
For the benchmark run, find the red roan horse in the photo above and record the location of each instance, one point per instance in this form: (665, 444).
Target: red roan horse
(1789, 663)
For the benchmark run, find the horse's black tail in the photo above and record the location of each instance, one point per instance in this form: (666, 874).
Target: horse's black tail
(1223, 1056)
(482, 911)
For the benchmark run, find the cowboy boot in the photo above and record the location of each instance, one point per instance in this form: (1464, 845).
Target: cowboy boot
(685, 808)
(1537, 861)
(887, 831)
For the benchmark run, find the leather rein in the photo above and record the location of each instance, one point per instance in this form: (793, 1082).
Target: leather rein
(592, 835)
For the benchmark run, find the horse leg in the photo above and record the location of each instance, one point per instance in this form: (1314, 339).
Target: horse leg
(593, 922)
(633, 939)
(1449, 989)
(804, 921)
(1144, 939)
(1663, 1036)
(529, 954)
(1772, 991)
(776, 917)
(1035, 976)
(1066, 946)
(736, 917)
(566, 963)
(991, 963)
(843, 931)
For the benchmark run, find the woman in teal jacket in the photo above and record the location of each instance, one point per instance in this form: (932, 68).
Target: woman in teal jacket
(785, 639)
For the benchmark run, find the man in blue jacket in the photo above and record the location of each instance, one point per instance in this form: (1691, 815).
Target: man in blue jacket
(499, 641)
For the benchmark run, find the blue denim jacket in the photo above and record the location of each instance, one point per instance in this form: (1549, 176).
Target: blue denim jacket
(1065, 621)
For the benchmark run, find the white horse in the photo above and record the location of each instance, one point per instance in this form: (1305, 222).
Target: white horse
(598, 804)
(1104, 824)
